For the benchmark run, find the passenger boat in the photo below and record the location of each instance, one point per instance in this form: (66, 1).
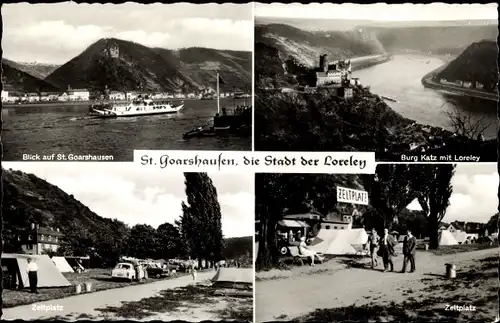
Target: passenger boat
(389, 99)
(140, 107)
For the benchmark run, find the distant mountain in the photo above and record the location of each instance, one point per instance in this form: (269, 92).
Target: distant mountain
(124, 65)
(15, 79)
(37, 70)
(200, 65)
(276, 44)
(307, 46)
(352, 24)
(281, 49)
(435, 40)
(479, 62)
(30, 199)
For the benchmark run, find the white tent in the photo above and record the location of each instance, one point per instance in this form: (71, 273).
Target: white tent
(446, 238)
(48, 274)
(240, 278)
(338, 242)
(62, 264)
(460, 236)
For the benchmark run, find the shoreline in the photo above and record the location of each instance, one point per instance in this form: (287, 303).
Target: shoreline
(370, 61)
(428, 82)
(88, 103)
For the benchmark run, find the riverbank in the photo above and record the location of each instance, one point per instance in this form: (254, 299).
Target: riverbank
(87, 103)
(369, 61)
(325, 122)
(428, 82)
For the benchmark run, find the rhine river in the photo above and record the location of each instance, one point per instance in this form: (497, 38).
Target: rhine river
(400, 78)
(46, 130)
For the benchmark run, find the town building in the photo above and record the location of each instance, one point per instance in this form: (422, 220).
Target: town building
(131, 95)
(38, 240)
(63, 97)
(33, 97)
(115, 95)
(78, 94)
(5, 96)
(49, 96)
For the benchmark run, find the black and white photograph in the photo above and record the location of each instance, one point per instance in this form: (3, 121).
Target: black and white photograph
(412, 242)
(111, 241)
(93, 82)
(412, 82)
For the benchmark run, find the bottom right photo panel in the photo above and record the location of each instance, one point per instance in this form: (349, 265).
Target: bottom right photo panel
(410, 242)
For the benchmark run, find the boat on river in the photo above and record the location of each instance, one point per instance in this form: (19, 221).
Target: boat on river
(236, 121)
(139, 107)
(388, 98)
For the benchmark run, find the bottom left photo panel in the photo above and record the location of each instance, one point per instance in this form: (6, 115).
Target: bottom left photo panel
(114, 241)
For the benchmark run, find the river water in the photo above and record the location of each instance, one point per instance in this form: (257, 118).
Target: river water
(58, 129)
(400, 78)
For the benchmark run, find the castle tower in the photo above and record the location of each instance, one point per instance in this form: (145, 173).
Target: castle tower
(323, 62)
(114, 51)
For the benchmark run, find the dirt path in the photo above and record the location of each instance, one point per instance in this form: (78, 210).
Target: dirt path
(302, 294)
(87, 304)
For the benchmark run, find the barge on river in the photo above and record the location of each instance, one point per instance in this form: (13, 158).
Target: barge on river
(140, 107)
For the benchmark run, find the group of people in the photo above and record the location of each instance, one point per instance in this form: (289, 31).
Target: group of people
(384, 247)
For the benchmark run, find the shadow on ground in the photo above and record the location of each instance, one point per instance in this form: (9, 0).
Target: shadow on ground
(475, 285)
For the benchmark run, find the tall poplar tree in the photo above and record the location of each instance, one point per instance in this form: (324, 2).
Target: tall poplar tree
(201, 224)
(436, 189)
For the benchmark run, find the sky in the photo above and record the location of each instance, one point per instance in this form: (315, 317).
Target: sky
(136, 195)
(55, 33)
(474, 197)
(379, 11)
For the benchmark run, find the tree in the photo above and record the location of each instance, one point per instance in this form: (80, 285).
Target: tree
(142, 241)
(200, 223)
(276, 194)
(466, 123)
(492, 225)
(390, 190)
(169, 241)
(435, 190)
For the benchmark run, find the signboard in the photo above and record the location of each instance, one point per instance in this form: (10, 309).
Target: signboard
(348, 195)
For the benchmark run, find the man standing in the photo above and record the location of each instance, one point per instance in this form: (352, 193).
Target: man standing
(33, 275)
(409, 246)
(373, 245)
(387, 250)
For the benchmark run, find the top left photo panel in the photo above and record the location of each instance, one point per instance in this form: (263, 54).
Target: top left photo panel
(94, 82)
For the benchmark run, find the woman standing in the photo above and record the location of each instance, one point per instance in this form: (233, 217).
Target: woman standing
(193, 271)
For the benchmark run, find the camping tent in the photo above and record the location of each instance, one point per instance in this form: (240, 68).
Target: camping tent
(48, 274)
(339, 242)
(460, 236)
(241, 278)
(446, 238)
(62, 265)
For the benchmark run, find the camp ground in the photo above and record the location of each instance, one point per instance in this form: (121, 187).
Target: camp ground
(223, 294)
(455, 263)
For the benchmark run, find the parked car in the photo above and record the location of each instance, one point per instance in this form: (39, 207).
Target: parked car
(124, 270)
(154, 270)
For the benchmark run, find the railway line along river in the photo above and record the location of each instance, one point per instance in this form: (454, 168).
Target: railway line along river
(67, 129)
(400, 78)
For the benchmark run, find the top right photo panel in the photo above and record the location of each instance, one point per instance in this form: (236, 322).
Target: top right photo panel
(411, 82)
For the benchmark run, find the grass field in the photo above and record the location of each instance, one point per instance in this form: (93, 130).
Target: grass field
(99, 278)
